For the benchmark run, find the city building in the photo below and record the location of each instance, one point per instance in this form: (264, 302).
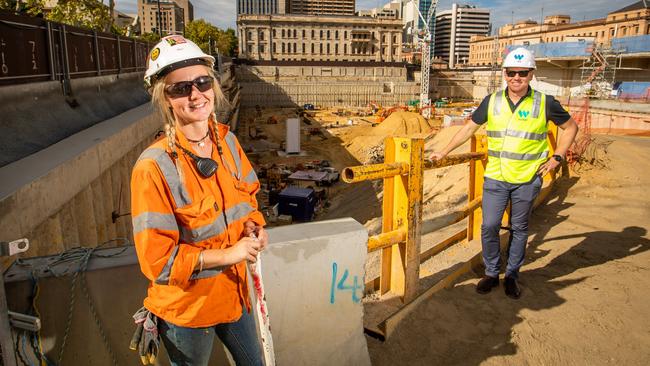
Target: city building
(321, 7)
(261, 6)
(410, 21)
(392, 10)
(174, 15)
(319, 38)
(632, 20)
(454, 28)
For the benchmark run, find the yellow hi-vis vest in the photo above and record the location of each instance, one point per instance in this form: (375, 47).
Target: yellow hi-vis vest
(517, 143)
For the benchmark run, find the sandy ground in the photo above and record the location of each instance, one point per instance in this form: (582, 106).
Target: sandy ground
(585, 282)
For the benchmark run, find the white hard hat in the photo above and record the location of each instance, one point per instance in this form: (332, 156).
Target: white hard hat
(519, 57)
(171, 53)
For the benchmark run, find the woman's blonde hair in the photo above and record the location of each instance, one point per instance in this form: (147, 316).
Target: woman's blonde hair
(159, 101)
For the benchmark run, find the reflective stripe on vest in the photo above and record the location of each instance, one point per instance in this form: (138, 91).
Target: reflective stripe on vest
(517, 140)
(161, 221)
(232, 146)
(168, 169)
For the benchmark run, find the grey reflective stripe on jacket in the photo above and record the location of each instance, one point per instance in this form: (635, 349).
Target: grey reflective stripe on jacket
(517, 156)
(232, 146)
(160, 221)
(170, 173)
(520, 134)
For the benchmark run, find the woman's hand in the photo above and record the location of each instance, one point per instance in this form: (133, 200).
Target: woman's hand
(262, 236)
(245, 249)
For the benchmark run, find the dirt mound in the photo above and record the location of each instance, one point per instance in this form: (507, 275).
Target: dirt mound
(404, 123)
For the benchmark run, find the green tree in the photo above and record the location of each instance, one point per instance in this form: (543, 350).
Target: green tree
(150, 37)
(211, 38)
(29, 7)
(82, 13)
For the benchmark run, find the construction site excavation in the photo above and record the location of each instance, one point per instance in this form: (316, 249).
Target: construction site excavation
(369, 190)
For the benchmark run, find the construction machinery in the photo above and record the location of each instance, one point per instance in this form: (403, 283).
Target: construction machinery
(426, 44)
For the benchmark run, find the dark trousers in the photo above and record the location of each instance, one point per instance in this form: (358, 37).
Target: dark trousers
(496, 195)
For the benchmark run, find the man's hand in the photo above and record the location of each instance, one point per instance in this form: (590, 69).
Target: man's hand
(547, 167)
(437, 155)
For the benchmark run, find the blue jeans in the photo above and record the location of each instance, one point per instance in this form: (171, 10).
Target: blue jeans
(193, 346)
(496, 195)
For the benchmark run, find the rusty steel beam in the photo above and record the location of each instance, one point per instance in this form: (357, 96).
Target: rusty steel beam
(385, 240)
(360, 173)
(454, 160)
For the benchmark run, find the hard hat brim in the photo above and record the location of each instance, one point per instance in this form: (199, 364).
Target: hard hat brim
(178, 65)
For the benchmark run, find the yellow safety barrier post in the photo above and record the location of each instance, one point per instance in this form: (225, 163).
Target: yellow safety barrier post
(402, 214)
(476, 170)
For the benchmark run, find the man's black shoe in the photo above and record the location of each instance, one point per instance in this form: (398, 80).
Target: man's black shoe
(512, 288)
(486, 284)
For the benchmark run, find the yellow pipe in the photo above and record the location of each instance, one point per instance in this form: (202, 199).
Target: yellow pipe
(454, 160)
(385, 240)
(360, 173)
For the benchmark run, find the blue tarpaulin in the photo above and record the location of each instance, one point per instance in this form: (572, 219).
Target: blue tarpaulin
(558, 49)
(632, 44)
(634, 90)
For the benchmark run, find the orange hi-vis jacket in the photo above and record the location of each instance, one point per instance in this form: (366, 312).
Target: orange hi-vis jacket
(176, 214)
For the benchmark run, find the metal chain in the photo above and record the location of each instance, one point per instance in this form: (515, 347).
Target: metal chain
(69, 320)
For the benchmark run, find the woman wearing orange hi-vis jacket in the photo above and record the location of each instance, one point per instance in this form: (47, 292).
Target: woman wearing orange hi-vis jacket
(193, 193)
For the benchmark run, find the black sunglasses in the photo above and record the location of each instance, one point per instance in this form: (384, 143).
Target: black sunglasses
(184, 88)
(523, 73)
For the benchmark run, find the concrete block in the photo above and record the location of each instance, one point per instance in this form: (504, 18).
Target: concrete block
(314, 275)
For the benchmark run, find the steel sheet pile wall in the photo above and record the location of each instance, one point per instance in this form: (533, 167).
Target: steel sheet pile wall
(289, 94)
(33, 49)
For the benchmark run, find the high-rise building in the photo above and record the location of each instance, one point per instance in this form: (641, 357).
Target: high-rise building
(321, 7)
(455, 27)
(174, 15)
(261, 6)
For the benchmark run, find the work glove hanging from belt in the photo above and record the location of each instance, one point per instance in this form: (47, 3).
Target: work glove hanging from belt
(145, 340)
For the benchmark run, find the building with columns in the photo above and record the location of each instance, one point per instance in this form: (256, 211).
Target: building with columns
(291, 37)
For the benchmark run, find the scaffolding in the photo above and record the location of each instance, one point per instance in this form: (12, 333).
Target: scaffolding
(494, 84)
(599, 71)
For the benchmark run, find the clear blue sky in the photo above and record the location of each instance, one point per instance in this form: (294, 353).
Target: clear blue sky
(222, 12)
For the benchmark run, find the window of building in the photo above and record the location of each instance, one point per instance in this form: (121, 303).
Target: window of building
(303, 33)
(394, 39)
(312, 35)
(274, 49)
(623, 30)
(283, 33)
(294, 33)
(345, 34)
(261, 48)
(250, 48)
(636, 29)
(336, 34)
(274, 33)
(283, 47)
(383, 38)
(321, 49)
(321, 33)
(303, 48)
(250, 35)
(328, 48)
(295, 47)
(262, 36)
(328, 34)
(336, 48)
(345, 48)
(312, 48)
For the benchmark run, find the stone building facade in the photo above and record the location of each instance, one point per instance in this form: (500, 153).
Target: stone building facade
(632, 20)
(319, 38)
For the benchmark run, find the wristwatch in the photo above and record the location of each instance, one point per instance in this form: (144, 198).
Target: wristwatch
(558, 158)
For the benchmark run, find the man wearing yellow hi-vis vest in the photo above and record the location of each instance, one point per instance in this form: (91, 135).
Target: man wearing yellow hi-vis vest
(517, 126)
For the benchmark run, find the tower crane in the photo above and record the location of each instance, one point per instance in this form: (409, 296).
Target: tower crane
(426, 43)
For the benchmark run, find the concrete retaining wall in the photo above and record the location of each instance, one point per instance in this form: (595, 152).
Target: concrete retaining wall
(327, 94)
(313, 274)
(64, 195)
(247, 73)
(37, 115)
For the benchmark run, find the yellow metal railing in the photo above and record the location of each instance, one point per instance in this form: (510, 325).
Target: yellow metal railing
(402, 224)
